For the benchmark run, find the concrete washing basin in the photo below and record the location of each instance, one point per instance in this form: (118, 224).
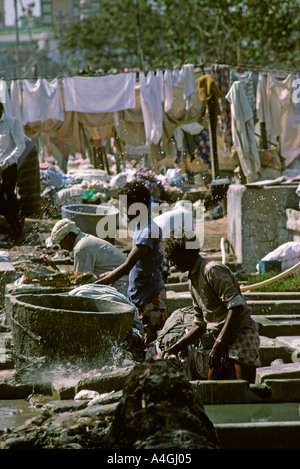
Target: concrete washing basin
(67, 329)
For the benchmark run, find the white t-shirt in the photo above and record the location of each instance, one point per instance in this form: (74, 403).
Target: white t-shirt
(92, 254)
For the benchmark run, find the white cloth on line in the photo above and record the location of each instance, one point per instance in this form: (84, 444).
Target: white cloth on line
(168, 90)
(4, 98)
(110, 93)
(187, 75)
(283, 121)
(152, 108)
(243, 135)
(15, 99)
(42, 101)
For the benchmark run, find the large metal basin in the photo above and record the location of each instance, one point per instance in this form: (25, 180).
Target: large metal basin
(88, 219)
(67, 329)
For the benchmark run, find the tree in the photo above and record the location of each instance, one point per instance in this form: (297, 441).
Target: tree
(153, 34)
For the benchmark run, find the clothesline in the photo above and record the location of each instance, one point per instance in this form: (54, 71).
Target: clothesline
(202, 67)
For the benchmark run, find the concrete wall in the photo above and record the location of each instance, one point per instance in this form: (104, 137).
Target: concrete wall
(257, 220)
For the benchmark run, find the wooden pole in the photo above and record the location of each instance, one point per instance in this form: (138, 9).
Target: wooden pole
(213, 138)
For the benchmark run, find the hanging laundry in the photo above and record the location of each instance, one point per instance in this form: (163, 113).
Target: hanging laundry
(243, 131)
(168, 92)
(220, 74)
(175, 76)
(208, 89)
(110, 93)
(262, 105)
(150, 96)
(247, 79)
(296, 96)
(5, 98)
(275, 105)
(187, 76)
(160, 79)
(42, 101)
(15, 99)
(203, 148)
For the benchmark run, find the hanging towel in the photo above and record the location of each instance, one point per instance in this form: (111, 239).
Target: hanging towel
(296, 96)
(262, 105)
(187, 75)
(168, 92)
(152, 109)
(15, 99)
(243, 131)
(111, 93)
(160, 81)
(247, 80)
(220, 74)
(208, 89)
(4, 98)
(42, 101)
(283, 120)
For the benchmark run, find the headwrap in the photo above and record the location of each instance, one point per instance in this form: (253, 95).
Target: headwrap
(60, 230)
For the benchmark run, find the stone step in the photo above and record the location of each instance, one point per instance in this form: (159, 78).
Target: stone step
(180, 299)
(259, 435)
(241, 392)
(284, 371)
(274, 326)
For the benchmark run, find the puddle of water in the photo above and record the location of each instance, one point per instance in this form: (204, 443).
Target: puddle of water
(239, 413)
(14, 413)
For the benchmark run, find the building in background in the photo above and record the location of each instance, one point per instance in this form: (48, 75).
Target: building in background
(30, 48)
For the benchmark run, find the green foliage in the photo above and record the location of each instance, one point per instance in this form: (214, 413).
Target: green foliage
(290, 283)
(173, 32)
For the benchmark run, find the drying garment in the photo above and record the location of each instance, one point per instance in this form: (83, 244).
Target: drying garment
(262, 105)
(203, 148)
(42, 101)
(152, 109)
(5, 98)
(296, 96)
(207, 90)
(160, 79)
(175, 76)
(220, 74)
(168, 92)
(187, 75)
(243, 131)
(247, 80)
(283, 121)
(111, 93)
(15, 99)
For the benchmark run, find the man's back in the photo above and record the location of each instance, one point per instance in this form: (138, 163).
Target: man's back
(92, 254)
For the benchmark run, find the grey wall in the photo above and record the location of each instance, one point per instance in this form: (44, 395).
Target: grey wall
(257, 220)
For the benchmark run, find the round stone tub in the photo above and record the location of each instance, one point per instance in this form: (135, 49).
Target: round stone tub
(63, 329)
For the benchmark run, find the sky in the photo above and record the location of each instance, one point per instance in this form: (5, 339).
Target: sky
(10, 9)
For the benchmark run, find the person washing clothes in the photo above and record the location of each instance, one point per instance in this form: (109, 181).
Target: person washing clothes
(219, 307)
(144, 263)
(91, 254)
(12, 145)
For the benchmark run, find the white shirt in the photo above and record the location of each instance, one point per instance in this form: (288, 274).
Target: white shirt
(92, 254)
(12, 141)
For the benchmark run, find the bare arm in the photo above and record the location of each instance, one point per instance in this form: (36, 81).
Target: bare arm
(193, 334)
(137, 253)
(224, 336)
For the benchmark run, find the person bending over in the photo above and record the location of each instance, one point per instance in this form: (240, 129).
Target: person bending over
(219, 307)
